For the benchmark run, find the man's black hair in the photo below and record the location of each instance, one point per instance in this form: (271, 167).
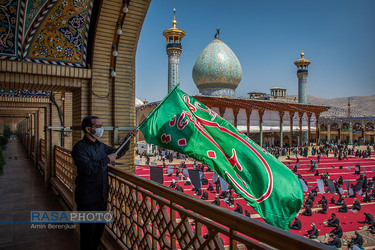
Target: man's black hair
(87, 122)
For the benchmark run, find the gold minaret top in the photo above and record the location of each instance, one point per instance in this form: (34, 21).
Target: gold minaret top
(174, 35)
(302, 62)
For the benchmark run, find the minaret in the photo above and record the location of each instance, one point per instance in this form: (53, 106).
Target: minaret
(302, 72)
(174, 48)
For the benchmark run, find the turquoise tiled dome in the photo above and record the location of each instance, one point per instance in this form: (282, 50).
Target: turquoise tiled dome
(217, 70)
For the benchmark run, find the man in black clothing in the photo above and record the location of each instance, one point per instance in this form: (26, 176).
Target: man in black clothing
(369, 218)
(343, 208)
(358, 240)
(356, 205)
(313, 233)
(307, 211)
(324, 208)
(335, 242)
(179, 188)
(216, 201)
(332, 222)
(337, 231)
(238, 209)
(204, 196)
(230, 201)
(296, 225)
(247, 213)
(91, 158)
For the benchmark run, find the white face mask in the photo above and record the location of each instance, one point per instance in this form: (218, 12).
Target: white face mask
(98, 133)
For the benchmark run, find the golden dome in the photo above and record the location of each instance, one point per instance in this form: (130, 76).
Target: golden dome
(174, 34)
(302, 62)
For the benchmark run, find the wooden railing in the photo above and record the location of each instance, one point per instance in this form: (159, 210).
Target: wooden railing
(64, 174)
(64, 166)
(42, 156)
(148, 215)
(32, 147)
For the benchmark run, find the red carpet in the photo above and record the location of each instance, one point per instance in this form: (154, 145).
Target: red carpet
(349, 221)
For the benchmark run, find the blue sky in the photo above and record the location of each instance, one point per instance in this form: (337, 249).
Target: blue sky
(267, 37)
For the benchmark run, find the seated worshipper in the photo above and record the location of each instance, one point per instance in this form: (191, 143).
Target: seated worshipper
(223, 195)
(217, 186)
(367, 198)
(307, 211)
(313, 233)
(309, 202)
(356, 205)
(204, 180)
(372, 228)
(230, 201)
(238, 209)
(316, 173)
(337, 231)
(334, 241)
(314, 191)
(247, 213)
(179, 188)
(311, 196)
(210, 187)
(187, 182)
(353, 247)
(323, 200)
(343, 208)
(357, 169)
(216, 201)
(333, 200)
(324, 209)
(340, 181)
(204, 196)
(173, 184)
(360, 178)
(198, 191)
(333, 221)
(357, 240)
(296, 225)
(294, 169)
(340, 201)
(369, 218)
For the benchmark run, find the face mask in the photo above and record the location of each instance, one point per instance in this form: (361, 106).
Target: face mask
(98, 133)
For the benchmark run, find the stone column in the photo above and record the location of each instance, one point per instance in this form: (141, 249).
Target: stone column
(351, 132)
(308, 128)
(235, 114)
(329, 132)
(281, 114)
(317, 128)
(291, 114)
(300, 129)
(261, 112)
(248, 114)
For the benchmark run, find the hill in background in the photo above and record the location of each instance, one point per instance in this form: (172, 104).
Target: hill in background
(360, 106)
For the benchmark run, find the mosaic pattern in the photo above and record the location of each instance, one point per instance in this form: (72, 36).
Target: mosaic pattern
(25, 93)
(11, 13)
(62, 36)
(217, 70)
(32, 11)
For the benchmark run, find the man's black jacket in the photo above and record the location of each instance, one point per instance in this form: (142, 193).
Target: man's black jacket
(92, 172)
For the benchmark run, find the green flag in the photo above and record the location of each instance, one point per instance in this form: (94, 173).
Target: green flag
(185, 125)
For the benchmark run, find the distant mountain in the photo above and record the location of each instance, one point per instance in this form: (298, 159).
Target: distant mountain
(359, 105)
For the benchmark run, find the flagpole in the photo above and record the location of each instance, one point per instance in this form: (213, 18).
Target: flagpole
(126, 141)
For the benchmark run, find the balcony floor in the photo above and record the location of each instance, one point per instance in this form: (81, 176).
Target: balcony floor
(22, 190)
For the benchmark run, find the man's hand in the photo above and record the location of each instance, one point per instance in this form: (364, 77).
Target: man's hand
(112, 157)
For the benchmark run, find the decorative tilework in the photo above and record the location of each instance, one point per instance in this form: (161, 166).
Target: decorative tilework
(25, 93)
(32, 10)
(61, 38)
(217, 70)
(11, 16)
